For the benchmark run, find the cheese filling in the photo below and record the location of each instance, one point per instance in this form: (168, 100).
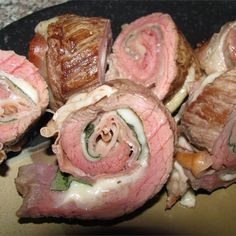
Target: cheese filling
(228, 176)
(23, 85)
(209, 79)
(179, 97)
(86, 196)
(132, 119)
(17, 98)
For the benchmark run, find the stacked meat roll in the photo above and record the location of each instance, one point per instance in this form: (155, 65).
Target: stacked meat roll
(153, 52)
(111, 157)
(70, 52)
(207, 155)
(23, 96)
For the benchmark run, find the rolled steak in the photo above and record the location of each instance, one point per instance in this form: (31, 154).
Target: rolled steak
(208, 123)
(23, 99)
(111, 157)
(218, 53)
(71, 51)
(153, 52)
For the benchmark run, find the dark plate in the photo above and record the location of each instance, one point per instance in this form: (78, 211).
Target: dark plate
(214, 213)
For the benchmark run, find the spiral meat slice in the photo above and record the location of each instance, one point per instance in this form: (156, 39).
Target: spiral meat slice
(23, 99)
(111, 156)
(71, 52)
(153, 52)
(219, 53)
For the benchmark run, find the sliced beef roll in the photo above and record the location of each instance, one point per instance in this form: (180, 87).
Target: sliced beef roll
(71, 52)
(219, 53)
(208, 125)
(114, 147)
(23, 99)
(153, 52)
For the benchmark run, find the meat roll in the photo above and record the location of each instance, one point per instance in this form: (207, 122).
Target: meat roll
(70, 52)
(218, 54)
(208, 124)
(111, 157)
(153, 52)
(24, 97)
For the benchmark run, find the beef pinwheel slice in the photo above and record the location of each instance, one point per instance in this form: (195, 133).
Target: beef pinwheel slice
(153, 52)
(24, 98)
(218, 53)
(111, 157)
(207, 125)
(70, 52)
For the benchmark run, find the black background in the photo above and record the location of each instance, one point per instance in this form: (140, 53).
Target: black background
(198, 20)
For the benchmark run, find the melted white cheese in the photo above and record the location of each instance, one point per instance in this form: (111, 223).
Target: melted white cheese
(179, 169)
(23, 85)
(189, 199)
(228, 176)
(184, 144)
(209, 79)
(131, 118)
(178, 98)
(86, 196)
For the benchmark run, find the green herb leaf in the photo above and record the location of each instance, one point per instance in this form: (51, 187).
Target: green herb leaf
(7, 121)
(88, 132)
(63, 180)
(232, 147)
(231, 141)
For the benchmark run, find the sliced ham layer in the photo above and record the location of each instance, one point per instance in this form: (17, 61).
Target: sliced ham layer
(218, 54)
(153, 52)
(107, 143)
(24, 98)
(70, 52)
